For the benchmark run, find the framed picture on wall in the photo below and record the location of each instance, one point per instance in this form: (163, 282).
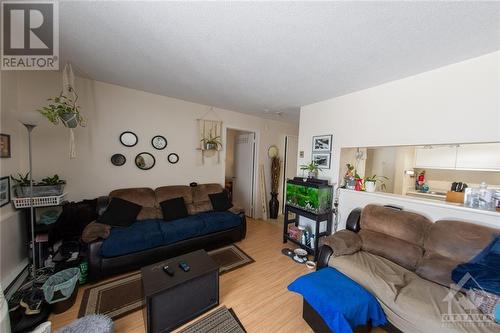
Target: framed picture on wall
(4, 191)
(4, 145)
(322, 160)
(322, 143)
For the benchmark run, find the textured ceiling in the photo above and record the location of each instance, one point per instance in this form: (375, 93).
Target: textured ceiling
(255, 57)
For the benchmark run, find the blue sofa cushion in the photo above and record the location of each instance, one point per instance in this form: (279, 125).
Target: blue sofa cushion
(148, 234)
(137, 237)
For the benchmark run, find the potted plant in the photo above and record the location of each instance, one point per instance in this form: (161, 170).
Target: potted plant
(63, 109)
(350, 177)
(49, 186)
(311, 168)
(371, 183)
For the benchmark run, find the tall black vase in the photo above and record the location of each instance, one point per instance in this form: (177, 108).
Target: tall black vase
(274, 205)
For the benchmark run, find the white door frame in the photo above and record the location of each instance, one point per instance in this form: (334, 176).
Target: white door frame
(255, 161)
(285, 154)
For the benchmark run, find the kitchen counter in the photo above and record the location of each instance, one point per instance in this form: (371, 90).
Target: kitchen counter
(433, 208)
(436, 195)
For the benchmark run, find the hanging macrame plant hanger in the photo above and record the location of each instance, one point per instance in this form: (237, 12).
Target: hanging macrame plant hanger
(71, 120)
(209, 131)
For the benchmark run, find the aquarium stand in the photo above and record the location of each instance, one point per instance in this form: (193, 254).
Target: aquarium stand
(317, 218)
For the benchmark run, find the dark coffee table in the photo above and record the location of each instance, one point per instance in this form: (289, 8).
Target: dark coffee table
(174, 300)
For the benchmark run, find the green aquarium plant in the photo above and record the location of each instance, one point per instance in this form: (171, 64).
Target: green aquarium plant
(313, 199)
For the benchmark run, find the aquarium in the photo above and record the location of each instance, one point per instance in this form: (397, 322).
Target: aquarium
(310, 196)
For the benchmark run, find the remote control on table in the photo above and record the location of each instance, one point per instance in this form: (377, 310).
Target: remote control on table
(169, 270)
(184, 266)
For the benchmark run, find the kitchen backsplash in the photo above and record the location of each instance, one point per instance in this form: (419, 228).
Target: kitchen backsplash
(442, 179)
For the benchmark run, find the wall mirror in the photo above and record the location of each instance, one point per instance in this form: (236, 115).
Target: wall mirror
(128, 139)
(173, 158)
(118, 159)
(145, 161)
(159, 142)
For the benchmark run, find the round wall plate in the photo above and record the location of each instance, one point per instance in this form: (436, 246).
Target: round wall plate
(118, 159)
(159, 142)
(128, 139)
(145, 161)
(173, 158)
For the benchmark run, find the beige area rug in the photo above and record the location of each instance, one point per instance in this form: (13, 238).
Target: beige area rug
(119, 297)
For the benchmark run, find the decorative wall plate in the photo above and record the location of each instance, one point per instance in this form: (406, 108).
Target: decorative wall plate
(159, 142)
(173, 158)
(145, 161)
(128, 139)
(118, 159)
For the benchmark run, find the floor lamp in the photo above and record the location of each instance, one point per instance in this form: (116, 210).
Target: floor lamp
(30, 120)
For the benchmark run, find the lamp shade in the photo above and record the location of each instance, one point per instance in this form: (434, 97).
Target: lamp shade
(29, 118)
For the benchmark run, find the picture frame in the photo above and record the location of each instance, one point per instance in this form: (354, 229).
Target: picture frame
(322, 160)
(5, 146)
(322, 143)
(4, 191)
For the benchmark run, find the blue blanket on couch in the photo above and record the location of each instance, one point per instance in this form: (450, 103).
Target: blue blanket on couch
(341, 302)
(484, 268)
(148, 234)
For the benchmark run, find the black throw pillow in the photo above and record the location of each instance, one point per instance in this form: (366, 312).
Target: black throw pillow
(120, 213)
(220, 201)
(173, 209)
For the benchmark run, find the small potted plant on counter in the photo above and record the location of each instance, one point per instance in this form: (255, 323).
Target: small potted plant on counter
(370, 183)
(311, 168)
(49, 186)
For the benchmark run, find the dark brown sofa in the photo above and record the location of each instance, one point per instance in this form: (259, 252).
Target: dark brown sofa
(196, 200)
(406, 260)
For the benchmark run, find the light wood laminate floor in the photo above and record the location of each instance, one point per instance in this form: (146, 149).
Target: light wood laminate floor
(256, 292)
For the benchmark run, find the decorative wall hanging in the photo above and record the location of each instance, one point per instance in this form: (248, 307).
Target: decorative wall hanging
(322, 160)
(64, 108)
(210, 136)
(128, 139)
(322, 143)
(145, 161)
(118, 159)
(159, 142)
(173, 158)
(5, 146)
(321, 151)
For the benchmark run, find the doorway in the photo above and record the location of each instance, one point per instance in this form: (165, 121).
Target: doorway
(289, 163)
(240, 168)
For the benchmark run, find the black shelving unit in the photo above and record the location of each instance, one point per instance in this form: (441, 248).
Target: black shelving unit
(318, 218)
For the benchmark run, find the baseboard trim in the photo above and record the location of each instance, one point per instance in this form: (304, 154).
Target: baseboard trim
(16, 278)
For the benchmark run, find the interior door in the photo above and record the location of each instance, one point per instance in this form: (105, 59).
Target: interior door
(244, 151)
(290, 159)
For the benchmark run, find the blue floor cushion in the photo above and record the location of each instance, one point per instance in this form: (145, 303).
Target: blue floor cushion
(341, 302)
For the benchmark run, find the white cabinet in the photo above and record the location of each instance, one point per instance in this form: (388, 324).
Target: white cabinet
(436, 157)
(485, 156)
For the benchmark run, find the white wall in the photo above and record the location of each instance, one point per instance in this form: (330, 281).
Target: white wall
(454, 104)
(12, 224)
(423, 109)
(110, 110)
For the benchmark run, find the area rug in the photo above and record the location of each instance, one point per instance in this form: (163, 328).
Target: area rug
(222, 320)
(121, 296)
